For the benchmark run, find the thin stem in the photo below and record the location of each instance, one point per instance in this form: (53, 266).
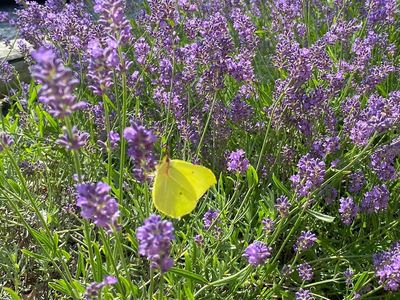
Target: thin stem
(206, 125)
(123, 142)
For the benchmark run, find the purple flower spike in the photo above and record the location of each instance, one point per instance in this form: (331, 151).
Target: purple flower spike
(78, 139)
(283, 205)
(155, 238)
(5, 141)
(348, 210)
(58, 83)
(304, 295)
(140, 149)
(310, 176)
(305, 272)
(387, 267)
(237, 161)
(375, 200)
(97, 205)
(257, 253)
(92, 291)
(305, 241)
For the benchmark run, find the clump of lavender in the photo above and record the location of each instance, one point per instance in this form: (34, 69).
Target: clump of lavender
(268, 224)
(140, 149)
(375, 200)
(387, 267)
(211, 220)
(74, 141)
(92, 291)
(348, 210)
(154, 239)
(305, 241)
(310, 175)
(257, 253)
(304, 295)
(97, 205)
(237, 161)
(379, 115)
(58, 83)
(5, 141)
(305, 271)
(283, 206)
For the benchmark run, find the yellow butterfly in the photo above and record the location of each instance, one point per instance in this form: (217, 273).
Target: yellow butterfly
(178, 186)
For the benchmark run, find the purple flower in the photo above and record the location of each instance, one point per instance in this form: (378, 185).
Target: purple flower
(357, 182)
(305, 241)
(379, 115)
(114, 139)
(381, 11)
(375, 200)
(237, 161)
(383, 161)
(78, 139)
(348, 274)
(199, 239)
(154, 239)
(5, 141)
(4, 16)
(283, 205)
(211, 220)
(304, 295)
(325, 146)
(305, 272)
(113, 19)
(102, 61)
(140, 149)
(268, 224)
(97, 205)
(7, 72)
(257, 253)
(245, 29)
(348, 210)
(387, 267)
(310, 176)
(92, 291)
(58, 83)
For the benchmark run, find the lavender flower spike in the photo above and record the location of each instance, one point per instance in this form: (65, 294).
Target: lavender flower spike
(237, 161)
(92, 291)
(58, 83)
(305, 241)
(257, 253)
(155, 238)
(5, 141)
(97, 205)
(78, 139)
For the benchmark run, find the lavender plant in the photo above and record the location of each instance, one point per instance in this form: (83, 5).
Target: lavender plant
(294, 105)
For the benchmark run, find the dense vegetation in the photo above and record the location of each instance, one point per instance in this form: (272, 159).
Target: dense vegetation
(294, 105)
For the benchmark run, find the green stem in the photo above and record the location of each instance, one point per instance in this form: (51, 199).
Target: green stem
(108, 130)
(206, 125)
(123, 142)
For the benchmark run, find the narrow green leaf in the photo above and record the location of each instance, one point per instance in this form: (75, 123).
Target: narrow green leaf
(12, 293)
(361, 281)
(321, 216)
(189, 275)
(280, 185)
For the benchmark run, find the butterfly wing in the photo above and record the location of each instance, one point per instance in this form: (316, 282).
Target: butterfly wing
(179, 185)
